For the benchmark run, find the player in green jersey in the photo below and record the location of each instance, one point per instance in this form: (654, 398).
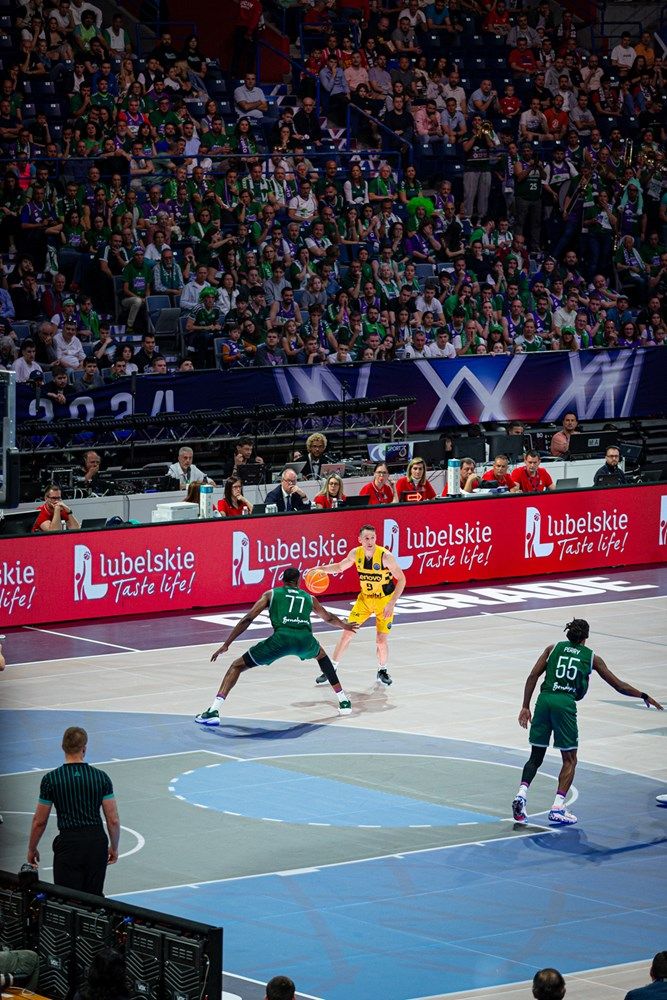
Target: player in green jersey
(567, 667)
(289, 610)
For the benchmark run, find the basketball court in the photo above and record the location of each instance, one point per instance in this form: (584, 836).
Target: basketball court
(371, 856)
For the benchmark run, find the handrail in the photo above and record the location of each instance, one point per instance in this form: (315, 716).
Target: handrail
(297, 66)
(604, 24)
(376, 121)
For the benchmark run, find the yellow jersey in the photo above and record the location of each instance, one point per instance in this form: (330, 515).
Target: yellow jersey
(375, 580)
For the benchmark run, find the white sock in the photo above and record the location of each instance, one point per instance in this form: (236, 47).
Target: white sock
(217, 703)
(334, 664)
(382, 666)
(523, 790)
(342, 696)
(559, 802)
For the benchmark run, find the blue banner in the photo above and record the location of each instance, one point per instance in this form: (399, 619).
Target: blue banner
(532, 387)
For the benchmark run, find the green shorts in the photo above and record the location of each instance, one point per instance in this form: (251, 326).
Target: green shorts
(296, 642)
(557, 714)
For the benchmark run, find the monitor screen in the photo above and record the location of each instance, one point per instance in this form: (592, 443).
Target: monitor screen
(589, 443)
(392, 452)
(471, 447)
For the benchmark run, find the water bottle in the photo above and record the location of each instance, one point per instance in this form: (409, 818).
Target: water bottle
(334, 502)
(453, 477)
(205, 500)
(244, 511)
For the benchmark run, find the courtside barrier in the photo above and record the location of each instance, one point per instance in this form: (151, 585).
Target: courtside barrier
(141, 570)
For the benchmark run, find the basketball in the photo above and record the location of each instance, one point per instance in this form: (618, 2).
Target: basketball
(316, 581)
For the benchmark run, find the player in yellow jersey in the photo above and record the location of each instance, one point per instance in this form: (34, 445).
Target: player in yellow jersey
(381, 583)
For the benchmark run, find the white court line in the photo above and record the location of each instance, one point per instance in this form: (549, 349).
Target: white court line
(527, 983)
(80, 638)
(541, 832)
(431, 756)
(124, 760)
(140, 844)
(476, 613)
(458, 739)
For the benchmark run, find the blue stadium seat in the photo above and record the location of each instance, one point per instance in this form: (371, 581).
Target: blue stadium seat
(22, 329)
(424, 271)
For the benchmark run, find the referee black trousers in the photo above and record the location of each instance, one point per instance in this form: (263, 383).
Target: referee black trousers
(80, 860)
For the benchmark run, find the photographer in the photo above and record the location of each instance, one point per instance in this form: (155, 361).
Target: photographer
(529, 175)
(54, 515)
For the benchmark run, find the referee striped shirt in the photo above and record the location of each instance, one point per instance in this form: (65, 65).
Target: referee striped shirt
(77, 791)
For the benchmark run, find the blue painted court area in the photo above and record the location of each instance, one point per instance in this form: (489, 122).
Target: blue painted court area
(440, 921)
(417, 924)
(258, 790)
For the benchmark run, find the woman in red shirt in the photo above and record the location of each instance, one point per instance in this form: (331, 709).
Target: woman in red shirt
(415, 481)
(380, 489)
(234, 504)
(332, 493)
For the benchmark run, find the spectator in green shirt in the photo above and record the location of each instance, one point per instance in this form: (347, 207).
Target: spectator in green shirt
(137, 276)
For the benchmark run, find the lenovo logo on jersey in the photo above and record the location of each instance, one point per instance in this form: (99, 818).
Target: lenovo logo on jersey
(533, 547)
(662, 527)
(241, 572)
(392, 542)
(84, 588)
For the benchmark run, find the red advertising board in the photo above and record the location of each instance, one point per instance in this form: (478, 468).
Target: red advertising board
(140, 570)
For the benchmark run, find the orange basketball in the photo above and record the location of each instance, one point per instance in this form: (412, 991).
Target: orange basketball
(316, 581)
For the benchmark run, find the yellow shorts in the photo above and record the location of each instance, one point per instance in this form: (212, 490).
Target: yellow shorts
(365, 607)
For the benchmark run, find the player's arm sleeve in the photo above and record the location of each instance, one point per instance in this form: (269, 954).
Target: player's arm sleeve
(45, 791)
(107, 788)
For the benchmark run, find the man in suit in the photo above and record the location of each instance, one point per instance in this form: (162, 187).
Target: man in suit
(287, 495)
(657, 988)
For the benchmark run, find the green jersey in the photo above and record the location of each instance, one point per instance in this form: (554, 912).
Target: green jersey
(290, 608)
(568, 670)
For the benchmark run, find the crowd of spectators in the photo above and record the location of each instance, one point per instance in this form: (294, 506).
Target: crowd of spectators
(512, 200)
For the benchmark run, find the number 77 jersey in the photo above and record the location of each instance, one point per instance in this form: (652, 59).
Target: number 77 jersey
(290, 608)
(568, 670)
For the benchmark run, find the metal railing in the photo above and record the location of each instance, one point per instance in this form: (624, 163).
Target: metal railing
(603, 34)
(298, 70)
(396, 139)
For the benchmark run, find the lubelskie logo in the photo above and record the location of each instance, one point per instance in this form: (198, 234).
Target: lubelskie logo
(121, 575)
(662, 527)
(84, 588)
(241, 572)
(392, 542)
(534, 548)
(276, 554)
(569, 535)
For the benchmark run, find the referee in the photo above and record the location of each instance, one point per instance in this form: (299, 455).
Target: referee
(81, 851)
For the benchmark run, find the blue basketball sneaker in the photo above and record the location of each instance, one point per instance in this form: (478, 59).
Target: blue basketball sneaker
(562, 816)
